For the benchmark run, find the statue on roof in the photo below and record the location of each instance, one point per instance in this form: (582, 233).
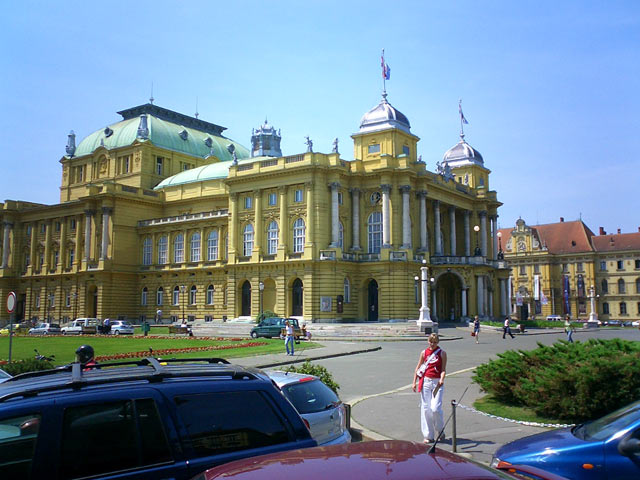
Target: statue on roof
(309, 144)
(335, 146)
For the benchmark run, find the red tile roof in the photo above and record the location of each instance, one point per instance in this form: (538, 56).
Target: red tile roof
(559, 238)
(617, 242)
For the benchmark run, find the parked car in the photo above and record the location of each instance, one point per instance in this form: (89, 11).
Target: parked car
(81, 326)
(554, 318)
(635, 324)
(45, 329)
(317, 404)
(141, 420)
(272, 327)
(606, 448)
(18, 328)
(3, 376)
(388, 460)
(121, 327)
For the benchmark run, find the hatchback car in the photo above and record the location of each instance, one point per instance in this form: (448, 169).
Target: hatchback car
(317, 404)
(388, 460)
(121, 327)
(45, 329)
(272, 327)
(607, 448)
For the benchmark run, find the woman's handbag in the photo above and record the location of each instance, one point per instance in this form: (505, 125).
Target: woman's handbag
(421, 370)
(473, 334)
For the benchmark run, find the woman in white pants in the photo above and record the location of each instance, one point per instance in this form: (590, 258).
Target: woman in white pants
(429, 374)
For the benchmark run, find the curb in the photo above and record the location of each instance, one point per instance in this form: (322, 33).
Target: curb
(319, 357)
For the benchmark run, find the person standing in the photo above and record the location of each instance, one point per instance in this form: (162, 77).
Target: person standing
(568, 329)
(289, 339)
(429, 374)
(506, 328)
(476, 327)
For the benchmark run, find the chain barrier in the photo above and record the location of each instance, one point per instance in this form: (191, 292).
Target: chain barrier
(521, 422)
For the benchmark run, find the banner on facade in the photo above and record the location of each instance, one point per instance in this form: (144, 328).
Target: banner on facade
(519, 299)
(566, 289)
(543, 298)
(536, 287)
(581, 290)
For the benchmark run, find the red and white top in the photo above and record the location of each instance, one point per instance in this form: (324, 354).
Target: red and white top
(434, 365)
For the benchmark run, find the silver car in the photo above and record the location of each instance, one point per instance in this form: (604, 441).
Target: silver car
(120, 327)
(45, 329)
(318, 405)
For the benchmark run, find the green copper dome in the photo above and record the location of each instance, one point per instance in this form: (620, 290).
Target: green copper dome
(164, 129)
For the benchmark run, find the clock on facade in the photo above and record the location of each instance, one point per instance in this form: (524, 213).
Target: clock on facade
(375, 198)
(521, 246)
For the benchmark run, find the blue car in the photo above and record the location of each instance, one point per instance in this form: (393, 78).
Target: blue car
(604, 449)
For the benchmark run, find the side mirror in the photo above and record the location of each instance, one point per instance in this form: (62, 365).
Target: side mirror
(629, 446)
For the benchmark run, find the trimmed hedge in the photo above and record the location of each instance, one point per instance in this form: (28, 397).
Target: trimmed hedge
(29, 365)
(319, 371)
(572, 382)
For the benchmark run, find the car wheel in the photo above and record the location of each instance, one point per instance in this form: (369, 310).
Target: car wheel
(117, 332)
(45, 332)
(254, 334)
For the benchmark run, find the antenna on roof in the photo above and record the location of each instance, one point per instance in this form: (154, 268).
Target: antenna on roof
(151, 99)
(197, 107)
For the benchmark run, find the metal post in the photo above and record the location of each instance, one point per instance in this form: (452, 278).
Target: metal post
(454, 442)
(11, 319)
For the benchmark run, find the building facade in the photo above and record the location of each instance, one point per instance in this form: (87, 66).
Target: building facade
(163, 217)
(564, 267)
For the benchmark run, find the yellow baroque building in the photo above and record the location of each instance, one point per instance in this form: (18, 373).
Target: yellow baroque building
(563, 267)
(161, 215)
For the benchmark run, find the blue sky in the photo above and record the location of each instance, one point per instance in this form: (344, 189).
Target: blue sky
(550, 88)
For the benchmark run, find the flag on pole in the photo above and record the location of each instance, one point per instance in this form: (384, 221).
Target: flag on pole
(462, 118)
(386, 70)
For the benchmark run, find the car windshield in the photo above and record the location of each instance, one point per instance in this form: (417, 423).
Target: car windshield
(606, 426)
(310, 396)
(54, 325)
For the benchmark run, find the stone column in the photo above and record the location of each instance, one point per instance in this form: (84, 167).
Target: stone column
(258, 223)
(463, 301)
(434, 306)
(483, 233)
(32, 248)
(311, 218)
(467, 234)
(7, 227)
(436, 227)
(406, 218)
(494, 235)
(106, 215)
(355, 217)
(422, 200)
(88, 214)
(47, 247)
(452, 228)
(386, 216)
(77, 254)
(232, 241)
(284, 219)
(334, 186)
(490, 303)
(480, 295)
(503, 298)
(63, 245)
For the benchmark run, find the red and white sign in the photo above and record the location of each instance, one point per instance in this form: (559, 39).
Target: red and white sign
(11, 302)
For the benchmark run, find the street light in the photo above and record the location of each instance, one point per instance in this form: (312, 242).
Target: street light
(593, 316)
(477, 251)
(500, 252)
(75, 306)
(425, 323)
(261, 288)
(183, 289)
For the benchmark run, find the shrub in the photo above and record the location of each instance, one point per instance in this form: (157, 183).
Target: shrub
(265, 314)
(569, 381)
(29, 365)
(317, 370)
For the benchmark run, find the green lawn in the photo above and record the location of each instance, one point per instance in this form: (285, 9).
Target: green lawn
(488, 404)
(64, 347)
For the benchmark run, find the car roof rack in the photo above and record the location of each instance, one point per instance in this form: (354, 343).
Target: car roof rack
(158, 370)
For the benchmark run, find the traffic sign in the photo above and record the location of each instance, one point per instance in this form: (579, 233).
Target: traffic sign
(11, 302)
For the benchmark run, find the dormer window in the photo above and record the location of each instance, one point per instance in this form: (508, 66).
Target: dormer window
(183, 134)
(108, 132)
(375, 148)
(405, 150)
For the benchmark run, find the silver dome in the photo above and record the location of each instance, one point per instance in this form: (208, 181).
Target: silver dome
(384, 116)
(461, 154)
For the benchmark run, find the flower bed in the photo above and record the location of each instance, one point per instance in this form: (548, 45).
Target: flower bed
(169, 351)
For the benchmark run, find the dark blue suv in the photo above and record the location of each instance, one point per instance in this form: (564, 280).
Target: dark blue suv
(141, 420)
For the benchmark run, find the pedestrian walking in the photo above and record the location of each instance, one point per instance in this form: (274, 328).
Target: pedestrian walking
(568, 329)
(429, 374)
(476, 328)
(289, 338)
(506, 328)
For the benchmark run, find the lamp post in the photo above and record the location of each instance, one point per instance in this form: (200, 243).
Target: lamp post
(425, 323)
(261, 288)
(183, 288)
(593, 316)
(477, 252)
(500, 252)
(75, 304)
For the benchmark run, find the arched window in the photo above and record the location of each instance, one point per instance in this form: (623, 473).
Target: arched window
(210, 295)
(212, 245)
(176, 296)
(143, 299)
(298, 236)
(192, 295)
(340, 235)
(163, 243)
(195, 247)
(605, 286)
(623, 308)
(146, 251)
(374, 227)
(247, 240)
(159, 295)
(621, 286)
(272, 238)
(178, 248)
(347, 290)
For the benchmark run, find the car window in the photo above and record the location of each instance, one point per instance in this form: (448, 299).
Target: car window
(131, 432)
(18, 436)
(606, 426)
(55, 325)
(310, 396)
(230, 421)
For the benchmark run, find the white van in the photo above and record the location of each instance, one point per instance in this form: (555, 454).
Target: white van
(554, 318)
(81, 326)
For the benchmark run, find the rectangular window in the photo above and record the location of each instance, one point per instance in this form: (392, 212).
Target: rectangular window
(56, 258)
(80, 173)
(38, 300)
(67, 299)
(603, 266)
(228, 428)
(17, 447)
(580, 267)
(73, 224)
(637, 264)
(159, 165)
(339, 198)
(565, 268)
(43, 228)
(247, 202)
(297, 196)
(72, 256)
(28, 230)
(623, 308)
(208, 318)
(58, 226)
(638, 312)
(405, 150)
(605, 308)
(536, 268)
(375, 148)
(272, 199)
(620, 265)
(523, 270)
